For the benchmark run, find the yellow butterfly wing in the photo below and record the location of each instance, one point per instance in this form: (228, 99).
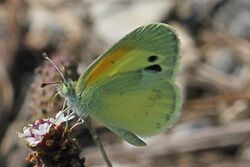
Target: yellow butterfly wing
(145, 47)
(131, 88)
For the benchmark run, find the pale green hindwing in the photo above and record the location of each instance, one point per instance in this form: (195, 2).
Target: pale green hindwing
(135, 103)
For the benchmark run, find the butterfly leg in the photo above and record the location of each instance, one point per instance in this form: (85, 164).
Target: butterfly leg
(128, 136)
(79, 121)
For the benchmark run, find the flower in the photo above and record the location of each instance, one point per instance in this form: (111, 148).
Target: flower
(35, 133)
(51, 142)
(60, 118)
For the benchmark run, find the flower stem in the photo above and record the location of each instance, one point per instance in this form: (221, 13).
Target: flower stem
(98, 142)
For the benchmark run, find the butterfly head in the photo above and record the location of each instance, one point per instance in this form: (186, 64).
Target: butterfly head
(66, 88)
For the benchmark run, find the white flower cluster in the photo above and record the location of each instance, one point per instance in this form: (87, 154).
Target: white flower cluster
(34, 133)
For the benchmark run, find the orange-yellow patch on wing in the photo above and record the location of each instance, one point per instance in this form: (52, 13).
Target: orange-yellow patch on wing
(106, 63)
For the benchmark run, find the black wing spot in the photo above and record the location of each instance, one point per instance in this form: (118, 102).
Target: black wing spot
(154, 68)
(152, 58)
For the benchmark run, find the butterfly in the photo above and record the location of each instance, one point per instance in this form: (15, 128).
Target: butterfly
(131, 88)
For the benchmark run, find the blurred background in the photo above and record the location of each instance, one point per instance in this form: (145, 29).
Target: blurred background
(214, 127)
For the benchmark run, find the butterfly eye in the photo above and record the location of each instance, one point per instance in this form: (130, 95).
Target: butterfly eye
(65, 89)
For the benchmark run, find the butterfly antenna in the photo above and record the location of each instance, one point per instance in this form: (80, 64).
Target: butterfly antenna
(49, 83)
(57, 68)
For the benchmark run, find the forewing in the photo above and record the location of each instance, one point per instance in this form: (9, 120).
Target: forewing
(154, 46)
(141, 102)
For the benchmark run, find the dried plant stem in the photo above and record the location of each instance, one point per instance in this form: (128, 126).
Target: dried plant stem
(98, 142)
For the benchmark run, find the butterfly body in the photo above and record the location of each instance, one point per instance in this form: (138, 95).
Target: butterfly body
(131, 89)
